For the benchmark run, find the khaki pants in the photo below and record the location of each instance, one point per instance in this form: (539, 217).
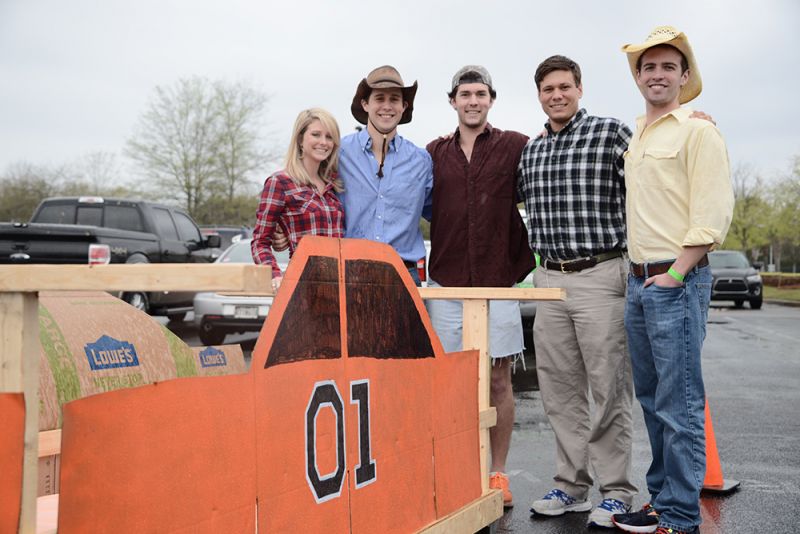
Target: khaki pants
(581, 348)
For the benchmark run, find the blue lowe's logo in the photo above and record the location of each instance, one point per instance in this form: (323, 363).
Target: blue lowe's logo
(211, 357)
(110, 353)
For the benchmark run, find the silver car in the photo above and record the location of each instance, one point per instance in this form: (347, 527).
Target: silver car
(218, 315)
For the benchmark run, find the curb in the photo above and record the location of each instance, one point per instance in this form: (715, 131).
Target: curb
(790, 303)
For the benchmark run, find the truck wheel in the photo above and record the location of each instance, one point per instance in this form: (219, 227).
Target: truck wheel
(137, 300)
(755, 303)
(208, 336)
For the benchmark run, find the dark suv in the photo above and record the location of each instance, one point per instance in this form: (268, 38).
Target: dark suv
(735, 279)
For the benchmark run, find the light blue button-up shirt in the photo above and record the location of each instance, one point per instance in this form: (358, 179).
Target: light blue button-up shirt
(386, 209)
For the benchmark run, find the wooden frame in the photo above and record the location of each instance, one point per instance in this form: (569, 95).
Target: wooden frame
(19, 337)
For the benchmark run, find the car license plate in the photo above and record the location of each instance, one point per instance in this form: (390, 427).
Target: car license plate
(246, 312)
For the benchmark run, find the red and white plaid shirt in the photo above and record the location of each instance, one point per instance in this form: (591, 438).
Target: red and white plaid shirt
(298, 210)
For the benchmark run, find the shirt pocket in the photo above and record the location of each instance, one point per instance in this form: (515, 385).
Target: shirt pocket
(497, 186)
(298, 201)
(661, 168)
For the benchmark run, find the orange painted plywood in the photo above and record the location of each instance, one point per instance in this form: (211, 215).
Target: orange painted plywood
(164, 457)
(12, 446)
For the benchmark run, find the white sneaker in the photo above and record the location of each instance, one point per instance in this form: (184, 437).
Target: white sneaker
(602, 514)
(556, 502)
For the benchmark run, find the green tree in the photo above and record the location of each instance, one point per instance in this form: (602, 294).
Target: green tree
(219, 209)
(785, 221)
(750, 225)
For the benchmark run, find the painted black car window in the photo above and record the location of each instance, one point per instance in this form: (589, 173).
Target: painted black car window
(382, 319)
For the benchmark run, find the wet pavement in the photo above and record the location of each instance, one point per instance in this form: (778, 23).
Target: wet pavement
(751, 362)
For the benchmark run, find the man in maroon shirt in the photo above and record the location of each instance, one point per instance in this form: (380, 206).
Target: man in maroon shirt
(478, 239)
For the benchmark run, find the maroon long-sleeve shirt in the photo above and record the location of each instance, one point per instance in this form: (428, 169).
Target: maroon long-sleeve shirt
(478, 238)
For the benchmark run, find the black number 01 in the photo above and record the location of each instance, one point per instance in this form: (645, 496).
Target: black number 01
(326, 395)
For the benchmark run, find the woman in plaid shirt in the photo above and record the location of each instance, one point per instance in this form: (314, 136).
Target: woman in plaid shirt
(301, 198)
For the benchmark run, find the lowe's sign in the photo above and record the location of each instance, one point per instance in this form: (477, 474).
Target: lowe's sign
(212, 357)
(110, 353)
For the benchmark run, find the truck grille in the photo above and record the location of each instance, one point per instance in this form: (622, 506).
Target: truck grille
(726, 285)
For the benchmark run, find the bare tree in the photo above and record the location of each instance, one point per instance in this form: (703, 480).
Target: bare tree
(100, 170)
(199, 138)
(242, 151)
(22, 186)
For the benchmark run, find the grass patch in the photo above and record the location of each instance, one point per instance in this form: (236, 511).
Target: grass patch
(781, 294)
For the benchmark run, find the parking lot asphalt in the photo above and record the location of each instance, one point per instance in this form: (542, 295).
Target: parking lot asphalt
(751, 365)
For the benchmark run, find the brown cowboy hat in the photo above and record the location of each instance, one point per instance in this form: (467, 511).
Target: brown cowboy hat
(384, 77)
(669, 36)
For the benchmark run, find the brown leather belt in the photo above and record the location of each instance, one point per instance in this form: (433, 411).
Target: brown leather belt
(410, 264)
(574, 266)
(646, 270)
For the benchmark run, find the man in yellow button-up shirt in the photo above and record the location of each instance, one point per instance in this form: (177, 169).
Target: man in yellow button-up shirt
(679, 206)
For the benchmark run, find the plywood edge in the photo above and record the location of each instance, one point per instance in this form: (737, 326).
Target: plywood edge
(47, 514)
(488, 417)
(493, 293)
(140, 277)
(49, 443)
(480, 513)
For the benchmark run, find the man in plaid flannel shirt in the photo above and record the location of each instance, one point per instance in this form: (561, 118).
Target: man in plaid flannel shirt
(573, 185)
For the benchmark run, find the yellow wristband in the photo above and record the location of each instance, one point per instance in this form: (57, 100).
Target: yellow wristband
(675, 274)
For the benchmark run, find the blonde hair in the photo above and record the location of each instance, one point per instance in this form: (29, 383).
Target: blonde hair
(328, 169)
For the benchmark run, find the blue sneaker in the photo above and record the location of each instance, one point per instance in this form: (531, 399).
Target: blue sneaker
(643, 521)
(602, 514)
(556, 502)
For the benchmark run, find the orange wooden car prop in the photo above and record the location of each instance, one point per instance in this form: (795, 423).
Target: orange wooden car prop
(351, 419)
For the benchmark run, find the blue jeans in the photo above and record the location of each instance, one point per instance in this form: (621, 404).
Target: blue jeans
(666, 328)
(414, 272)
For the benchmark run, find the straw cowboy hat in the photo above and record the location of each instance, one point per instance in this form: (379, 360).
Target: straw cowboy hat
(385, 77)
(669, 36)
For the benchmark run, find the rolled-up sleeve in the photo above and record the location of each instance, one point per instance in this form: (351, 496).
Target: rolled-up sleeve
(711, 192)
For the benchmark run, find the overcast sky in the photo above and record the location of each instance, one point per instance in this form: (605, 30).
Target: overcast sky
(75, 75)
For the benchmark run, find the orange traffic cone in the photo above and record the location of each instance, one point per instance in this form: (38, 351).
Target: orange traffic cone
(714, 482)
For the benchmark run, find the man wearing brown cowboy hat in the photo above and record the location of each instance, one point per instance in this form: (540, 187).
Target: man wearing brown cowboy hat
(679, 206)
(388, 180)
(478, 239)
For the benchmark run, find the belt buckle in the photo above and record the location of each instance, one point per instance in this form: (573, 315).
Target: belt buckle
(570, 262)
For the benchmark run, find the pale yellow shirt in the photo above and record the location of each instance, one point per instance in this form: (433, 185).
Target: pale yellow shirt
(678, 182)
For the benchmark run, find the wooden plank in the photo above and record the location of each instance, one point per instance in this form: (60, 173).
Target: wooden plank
(480, 513)
(47, 514)
(139, 277)
(49, 443)
(462, 293)
(19, 372)
(502, 293)
(476, 336)
(488, 418)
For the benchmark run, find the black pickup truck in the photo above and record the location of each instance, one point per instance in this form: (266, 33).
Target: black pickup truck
(99, 230)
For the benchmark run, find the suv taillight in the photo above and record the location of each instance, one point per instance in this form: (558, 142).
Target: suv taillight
(99, 254)
(421, 271)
